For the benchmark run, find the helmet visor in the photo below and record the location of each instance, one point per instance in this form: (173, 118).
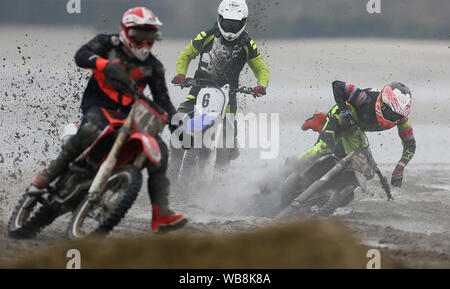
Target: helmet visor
(143, 35)
(232, 26)
(389, 114)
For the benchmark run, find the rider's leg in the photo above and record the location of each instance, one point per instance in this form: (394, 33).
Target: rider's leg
(176, 154)
(230, 130)
(325, 144)
(334, 138)
(158, 189)
(92, 124)
(330, 136)
(350, 141)
(232, 109)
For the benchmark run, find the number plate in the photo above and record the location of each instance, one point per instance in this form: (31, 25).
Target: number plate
(211, 100)
(146, 119)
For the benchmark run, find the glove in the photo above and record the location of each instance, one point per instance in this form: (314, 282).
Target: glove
(347, 119)
(316, 122)
(179, 79)
(118, 78)
(259, 90)
(397, 175)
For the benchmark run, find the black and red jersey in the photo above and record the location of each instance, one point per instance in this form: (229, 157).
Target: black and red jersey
(99, 93)
(364, 102)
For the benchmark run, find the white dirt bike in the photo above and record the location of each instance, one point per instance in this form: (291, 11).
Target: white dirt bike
(209, 132)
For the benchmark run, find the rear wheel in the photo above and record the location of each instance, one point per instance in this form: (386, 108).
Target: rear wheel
(29, 218)
(322, 203)
(291, 189)
(300, 180)
(101, 216)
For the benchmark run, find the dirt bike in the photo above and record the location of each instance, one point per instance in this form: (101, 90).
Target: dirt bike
(103, 182)
(329, 183)
(209, 119)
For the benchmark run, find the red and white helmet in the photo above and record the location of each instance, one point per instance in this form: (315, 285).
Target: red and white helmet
(393, 104)
(139, 30)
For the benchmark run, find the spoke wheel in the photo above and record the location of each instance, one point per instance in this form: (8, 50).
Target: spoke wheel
(101, 215)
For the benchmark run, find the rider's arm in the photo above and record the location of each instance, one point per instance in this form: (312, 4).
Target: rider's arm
(405, 132)
(94, 53)
(344, 92)
(157, 84)
(192, 50)
(256, 63)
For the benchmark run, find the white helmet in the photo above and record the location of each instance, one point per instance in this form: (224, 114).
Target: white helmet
(232, 18)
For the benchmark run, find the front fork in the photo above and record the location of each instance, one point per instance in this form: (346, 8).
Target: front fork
(105, 170)
(140, 160)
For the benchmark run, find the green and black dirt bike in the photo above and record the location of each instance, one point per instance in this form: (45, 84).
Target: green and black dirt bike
(329, 182)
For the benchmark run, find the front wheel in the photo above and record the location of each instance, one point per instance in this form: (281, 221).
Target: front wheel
(336, 199)
(100, 216)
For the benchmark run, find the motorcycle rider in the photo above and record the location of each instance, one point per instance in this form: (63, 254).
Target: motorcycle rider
(224, 50)
(372, 111)
(120, 64)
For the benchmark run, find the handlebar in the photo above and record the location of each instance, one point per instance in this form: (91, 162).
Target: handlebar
(190, 82)
(245, 90)
(202, 83)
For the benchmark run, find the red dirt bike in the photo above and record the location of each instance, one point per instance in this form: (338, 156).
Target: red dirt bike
(103, 182)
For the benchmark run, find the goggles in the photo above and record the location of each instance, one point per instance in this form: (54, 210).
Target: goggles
(143, 35)
(232, 26)
(389, 114)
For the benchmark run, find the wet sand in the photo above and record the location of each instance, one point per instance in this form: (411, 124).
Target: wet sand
(41, 89)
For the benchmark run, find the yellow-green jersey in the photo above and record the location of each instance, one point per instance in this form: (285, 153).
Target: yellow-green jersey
(223, 60)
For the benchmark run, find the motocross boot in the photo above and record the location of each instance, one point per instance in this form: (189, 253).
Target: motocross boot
(163, 219)
(54, 169)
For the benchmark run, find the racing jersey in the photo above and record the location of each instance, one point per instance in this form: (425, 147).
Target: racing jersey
(363, 101)
(223, 60)
(99, 93)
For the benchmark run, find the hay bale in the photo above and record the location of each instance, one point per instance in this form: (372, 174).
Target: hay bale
(310, 244)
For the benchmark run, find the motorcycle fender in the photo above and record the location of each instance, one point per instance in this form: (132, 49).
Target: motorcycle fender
(29, 202)
(150, 146)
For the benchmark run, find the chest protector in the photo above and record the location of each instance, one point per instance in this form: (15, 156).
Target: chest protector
(138, 74)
